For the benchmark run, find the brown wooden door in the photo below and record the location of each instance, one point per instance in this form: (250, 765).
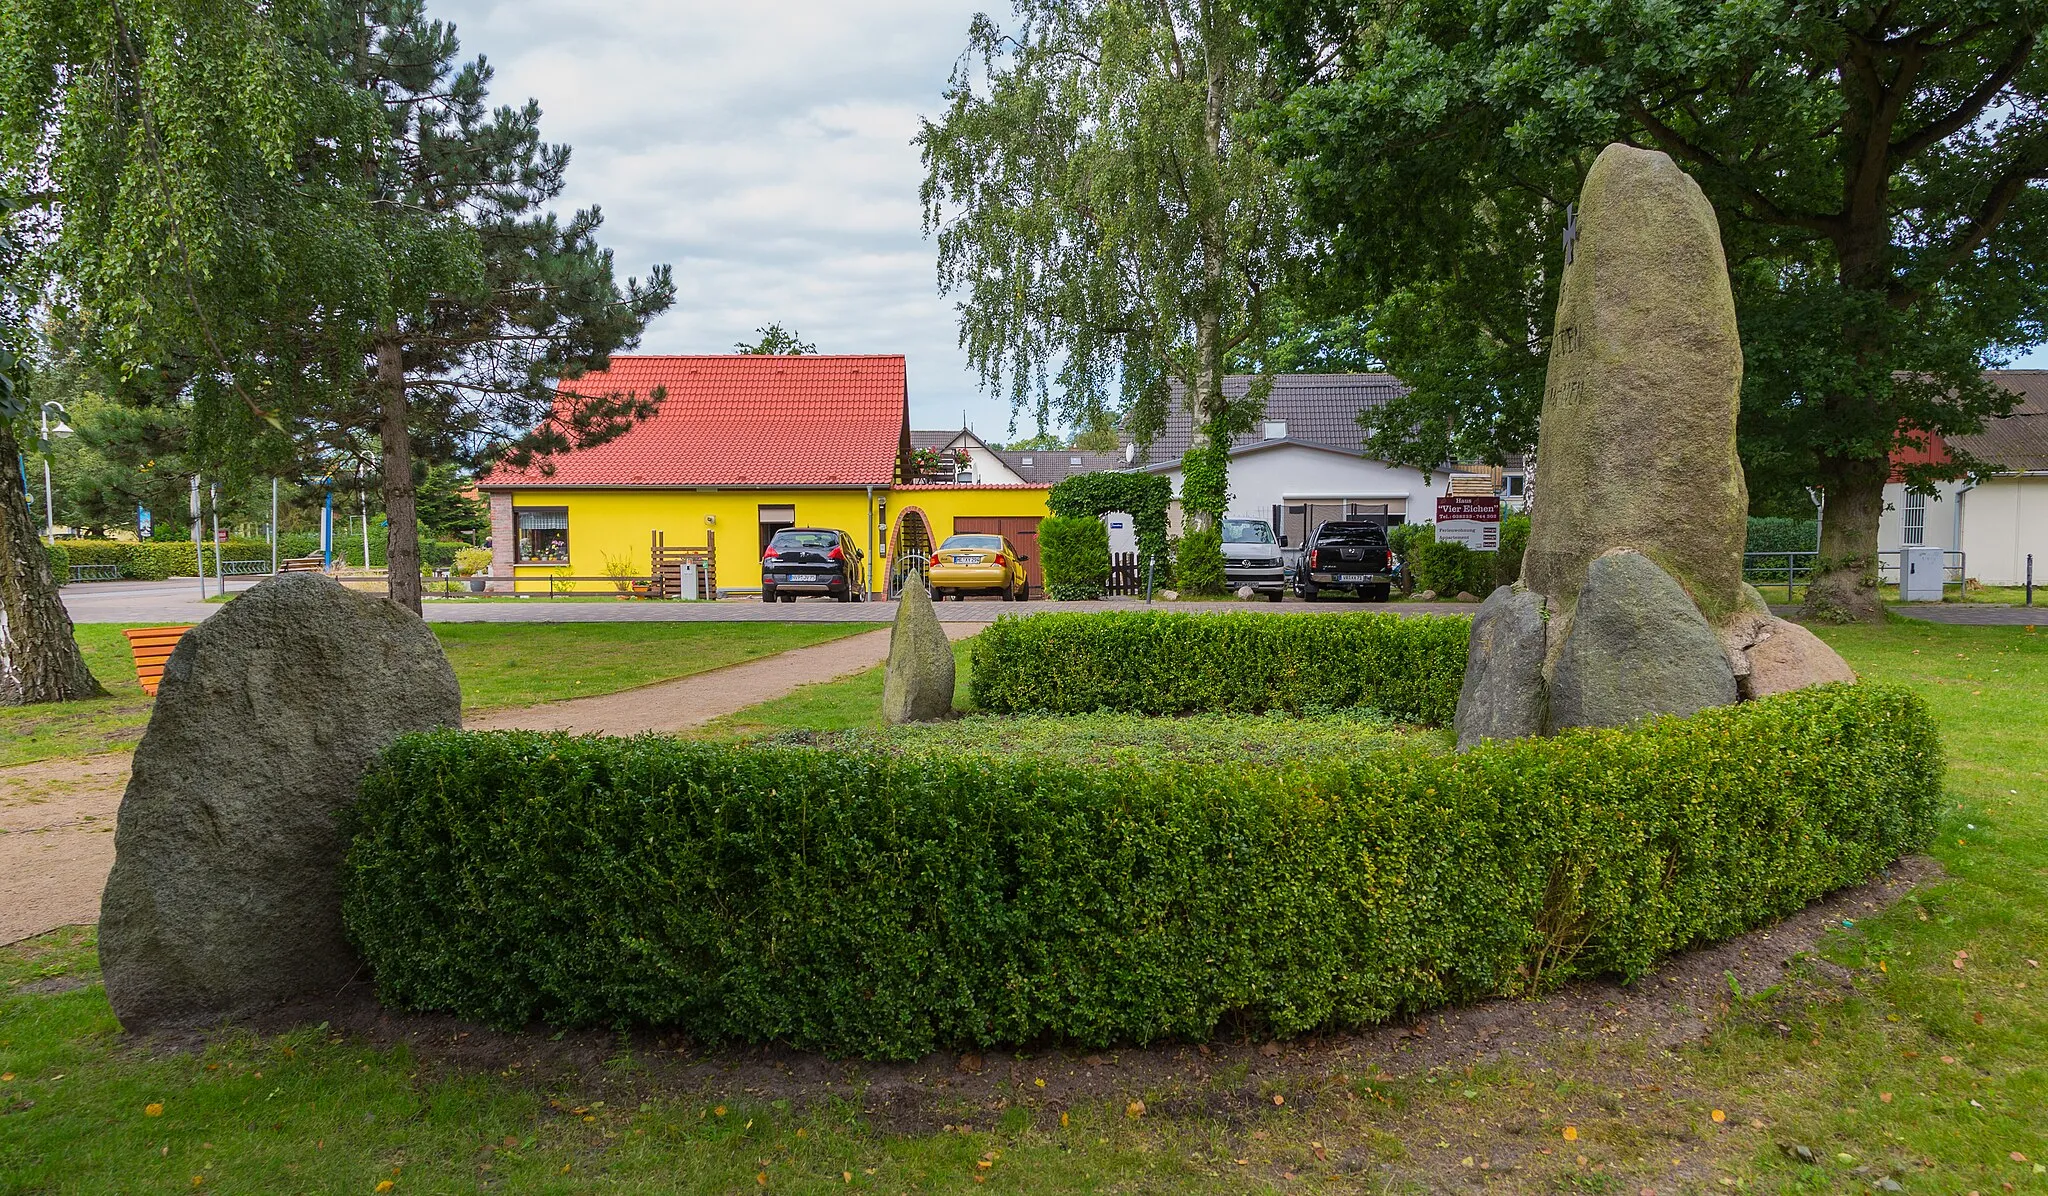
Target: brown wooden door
(1022, 531)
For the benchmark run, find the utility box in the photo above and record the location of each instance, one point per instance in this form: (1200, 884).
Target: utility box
(1920, 574)
(687, 583)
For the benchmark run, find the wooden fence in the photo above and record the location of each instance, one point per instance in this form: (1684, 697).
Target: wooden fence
(1127, 574)
(666, 568)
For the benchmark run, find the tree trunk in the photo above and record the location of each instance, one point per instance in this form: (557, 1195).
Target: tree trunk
(1844, 586)
(401, 503)
(1207, 402)
(39, 661)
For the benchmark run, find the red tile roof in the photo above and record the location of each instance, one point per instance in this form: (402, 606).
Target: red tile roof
(742, 420)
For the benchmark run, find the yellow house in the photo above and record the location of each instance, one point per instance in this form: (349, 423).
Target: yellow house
(738, 447)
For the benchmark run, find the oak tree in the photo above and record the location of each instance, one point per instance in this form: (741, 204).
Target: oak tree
(1877, 170)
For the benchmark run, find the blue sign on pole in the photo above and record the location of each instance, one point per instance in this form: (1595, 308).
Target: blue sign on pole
(144, 526)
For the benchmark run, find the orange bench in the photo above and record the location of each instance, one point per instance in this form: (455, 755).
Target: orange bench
(152, 647)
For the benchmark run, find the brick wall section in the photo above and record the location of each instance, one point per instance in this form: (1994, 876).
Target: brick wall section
(502, 540)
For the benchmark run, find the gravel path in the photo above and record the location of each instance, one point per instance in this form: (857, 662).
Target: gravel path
(56, 841)
(57, 816)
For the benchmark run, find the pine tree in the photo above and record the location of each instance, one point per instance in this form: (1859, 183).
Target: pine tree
(493, 299)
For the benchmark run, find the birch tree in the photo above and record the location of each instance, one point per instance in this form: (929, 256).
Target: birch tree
(1107, 223)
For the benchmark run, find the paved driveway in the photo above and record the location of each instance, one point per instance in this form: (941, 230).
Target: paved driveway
(178, 601)
(1974, 614)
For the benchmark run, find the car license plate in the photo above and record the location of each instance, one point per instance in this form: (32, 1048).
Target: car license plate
(967, 560)
(1351, 577)
(799, 577)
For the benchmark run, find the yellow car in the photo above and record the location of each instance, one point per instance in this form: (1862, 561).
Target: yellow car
(978, 564)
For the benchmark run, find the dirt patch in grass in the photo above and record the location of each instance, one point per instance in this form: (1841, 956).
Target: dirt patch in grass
(1227, 1086)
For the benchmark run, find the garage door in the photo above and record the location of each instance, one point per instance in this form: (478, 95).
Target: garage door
(1022, 531)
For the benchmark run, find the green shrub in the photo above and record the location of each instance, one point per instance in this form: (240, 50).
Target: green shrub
(1198, 564)
(1402, 539)
(1451, 569)
(60, 562)
(1073, 553)
(298, 545)
(1514, 541)
(871, 904)
(1775, 533)
(155, 560)
(1158, 662)
(1142, 496)
(440, 554)
(471, 561)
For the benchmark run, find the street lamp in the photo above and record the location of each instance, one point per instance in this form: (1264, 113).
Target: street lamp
(63, 429)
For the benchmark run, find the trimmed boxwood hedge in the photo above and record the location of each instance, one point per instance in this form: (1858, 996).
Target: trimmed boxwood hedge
(155, 560)
(876, 905)
(1157, 662)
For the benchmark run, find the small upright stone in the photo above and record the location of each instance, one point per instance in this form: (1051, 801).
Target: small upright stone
(225, 893)
(1503, 697)
(917, 684)
(1637, 442)
(1636, 646)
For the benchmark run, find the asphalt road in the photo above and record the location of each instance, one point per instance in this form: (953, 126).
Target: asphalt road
(178, 601)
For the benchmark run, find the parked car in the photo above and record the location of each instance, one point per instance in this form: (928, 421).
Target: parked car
(978, 564)
(1251, 557)
(811, 560)
(1347, 557)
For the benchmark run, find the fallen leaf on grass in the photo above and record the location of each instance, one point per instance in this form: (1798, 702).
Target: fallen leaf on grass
(2017, 1157)
(1718, 1116)
(1135, 1110)
(385, 1185)
(1886, 1097)
(1279, 1099)
(154, 1108)
(1571, 1133)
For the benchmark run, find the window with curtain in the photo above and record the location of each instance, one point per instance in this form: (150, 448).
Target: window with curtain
(543, 535)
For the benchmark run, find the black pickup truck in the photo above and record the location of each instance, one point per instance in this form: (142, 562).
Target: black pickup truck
(1346, 558)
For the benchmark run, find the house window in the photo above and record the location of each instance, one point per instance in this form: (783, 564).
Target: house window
(1511, 485)
(543, 535)
(1915, 523)
(1276, 429)
(774, 519)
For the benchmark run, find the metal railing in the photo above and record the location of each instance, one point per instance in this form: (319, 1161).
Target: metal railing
(95, 572)
(904, 567)
(1792, 569)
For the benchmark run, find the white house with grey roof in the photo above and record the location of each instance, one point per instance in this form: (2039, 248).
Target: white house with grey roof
(1990, 524)
(1306, 463)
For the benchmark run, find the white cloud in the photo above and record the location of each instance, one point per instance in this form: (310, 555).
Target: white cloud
(761, 148)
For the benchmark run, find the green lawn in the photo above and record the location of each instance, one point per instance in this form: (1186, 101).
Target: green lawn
(1115, 738)
(498, 664)
(1928, 1070)
(850, 703)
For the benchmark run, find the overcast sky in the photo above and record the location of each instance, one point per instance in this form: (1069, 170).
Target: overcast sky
(761, 148)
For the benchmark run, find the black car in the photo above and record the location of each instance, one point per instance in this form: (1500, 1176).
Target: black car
(1348, 558)
(811, 560)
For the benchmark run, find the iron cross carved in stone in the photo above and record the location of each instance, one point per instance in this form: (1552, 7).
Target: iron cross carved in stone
(1571, 232)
